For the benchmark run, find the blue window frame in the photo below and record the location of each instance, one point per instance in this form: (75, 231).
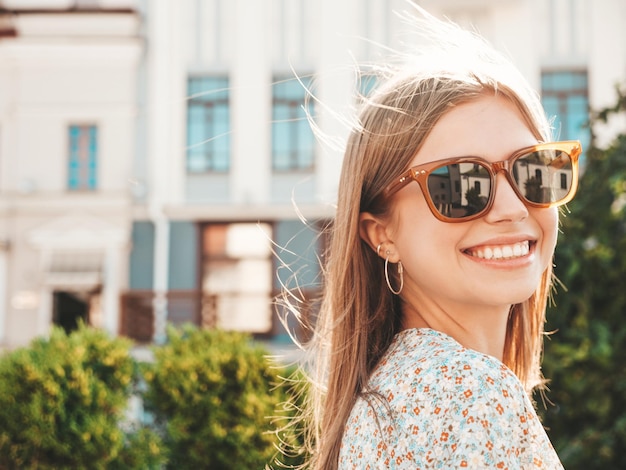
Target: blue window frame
(565, 96)
(208, 125)
(293, 142)
(83, 158)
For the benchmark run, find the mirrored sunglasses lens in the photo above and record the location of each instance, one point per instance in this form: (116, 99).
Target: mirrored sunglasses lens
(544, 176)
(460, 190)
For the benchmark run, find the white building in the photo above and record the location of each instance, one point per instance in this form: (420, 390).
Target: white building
(150, 150)
(68, 113)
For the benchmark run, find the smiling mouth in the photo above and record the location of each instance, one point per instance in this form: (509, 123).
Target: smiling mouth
(515, 250)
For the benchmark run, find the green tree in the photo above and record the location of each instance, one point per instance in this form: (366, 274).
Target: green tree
(475, 201)
(215, 395)
(585, 359)
(62, 403)
(532, 188)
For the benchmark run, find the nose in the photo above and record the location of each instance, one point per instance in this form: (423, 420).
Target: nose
(507, 205)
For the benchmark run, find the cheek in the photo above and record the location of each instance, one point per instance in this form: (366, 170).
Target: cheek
(410, 220)
(549, 222)
(422, 240)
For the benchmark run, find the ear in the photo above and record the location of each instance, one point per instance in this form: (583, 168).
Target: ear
(373, 231)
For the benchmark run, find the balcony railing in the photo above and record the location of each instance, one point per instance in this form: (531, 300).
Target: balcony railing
(137, 312)
(202, 309)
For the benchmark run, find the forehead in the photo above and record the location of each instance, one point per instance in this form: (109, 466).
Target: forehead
(490, 126)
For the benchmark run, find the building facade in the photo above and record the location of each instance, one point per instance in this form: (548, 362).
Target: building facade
(157, 164)
(68, 105)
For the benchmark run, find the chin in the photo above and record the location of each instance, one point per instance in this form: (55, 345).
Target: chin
(516, 296)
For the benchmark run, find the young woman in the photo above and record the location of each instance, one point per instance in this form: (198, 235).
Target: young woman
(439, 269)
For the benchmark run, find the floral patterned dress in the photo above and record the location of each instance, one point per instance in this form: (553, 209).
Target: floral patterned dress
(434, 404)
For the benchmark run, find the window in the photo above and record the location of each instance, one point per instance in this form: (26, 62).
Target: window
(293, 142)
(477, 186)
(565, 96)
(83, 157)
(208, 125)
(539, 177)
(367, 84)
(563, 181)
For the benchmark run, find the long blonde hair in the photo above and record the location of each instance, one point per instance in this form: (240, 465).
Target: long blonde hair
(359, 316)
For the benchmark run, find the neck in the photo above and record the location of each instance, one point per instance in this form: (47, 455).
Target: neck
(481, 329)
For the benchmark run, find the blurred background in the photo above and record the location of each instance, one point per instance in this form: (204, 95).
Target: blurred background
(155, 155)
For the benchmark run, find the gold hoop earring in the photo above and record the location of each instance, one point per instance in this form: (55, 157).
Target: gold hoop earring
(400, 273)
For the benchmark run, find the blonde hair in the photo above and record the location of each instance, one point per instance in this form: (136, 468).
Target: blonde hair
(359, 316)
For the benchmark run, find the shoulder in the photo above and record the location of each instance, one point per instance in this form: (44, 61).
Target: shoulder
(433, 375)
(431, 397)
(426, 363)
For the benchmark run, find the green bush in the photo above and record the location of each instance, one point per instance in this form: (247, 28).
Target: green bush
(585, 359)
(289, 423)
(62, 400)
(214, 393)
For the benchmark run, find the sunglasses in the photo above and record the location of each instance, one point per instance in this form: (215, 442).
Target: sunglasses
(462, 189)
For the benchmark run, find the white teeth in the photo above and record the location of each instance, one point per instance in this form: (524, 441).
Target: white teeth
(502, 252)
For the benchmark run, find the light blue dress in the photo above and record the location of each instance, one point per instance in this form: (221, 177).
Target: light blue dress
(437, 405)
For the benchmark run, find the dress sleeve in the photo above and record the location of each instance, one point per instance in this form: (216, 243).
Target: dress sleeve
(481, 425)
(484, 419)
